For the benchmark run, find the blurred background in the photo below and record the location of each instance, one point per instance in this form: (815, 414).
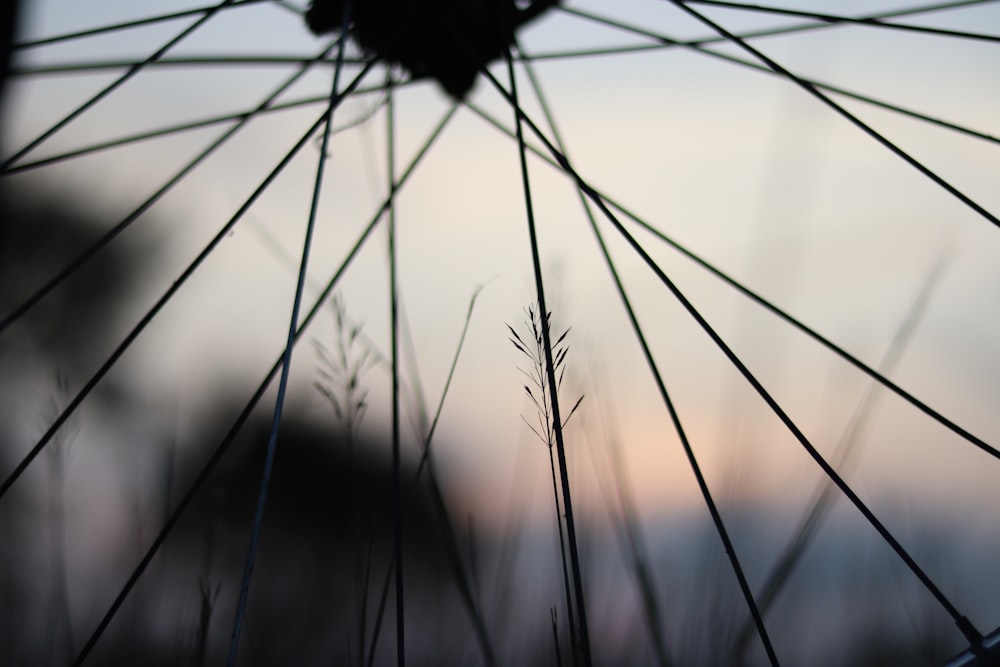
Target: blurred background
(742, 168)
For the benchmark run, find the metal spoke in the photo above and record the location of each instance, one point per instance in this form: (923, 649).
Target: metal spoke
(107, 90)
(244, 415)
(839, 19)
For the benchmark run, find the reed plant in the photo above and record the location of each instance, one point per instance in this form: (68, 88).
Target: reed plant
(542, 395)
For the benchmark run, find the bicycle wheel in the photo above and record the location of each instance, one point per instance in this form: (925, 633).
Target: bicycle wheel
(771, 233)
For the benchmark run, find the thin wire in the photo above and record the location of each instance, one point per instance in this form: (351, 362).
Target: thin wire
(150, 314)
(720, 527)
(454, 558)
(543, 315)
(233, 60)
(223, 446)
(132, 71)
(114, 27)
(208, 122)
(867, 129)
(965, 626)
(804, 27)
(653, 614)
(108, 236)
(288, 6)
(397, 487)
(576, 54)
(940, 418)
(706, 493)
(165, 131)
(158, 306)
(833, 18)
(134, 333)
(824, 495)
(286, 364)
(665, 42)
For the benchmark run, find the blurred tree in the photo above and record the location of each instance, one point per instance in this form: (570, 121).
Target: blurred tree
(9, 22)
(40, 234)
(301, 606)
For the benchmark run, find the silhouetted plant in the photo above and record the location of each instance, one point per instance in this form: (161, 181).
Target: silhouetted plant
(542, 397)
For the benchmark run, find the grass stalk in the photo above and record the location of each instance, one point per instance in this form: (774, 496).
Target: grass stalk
(557, 422)
(453, 552)
(207, 596)
(545, 432)
(58, 460)
(622, 511)
(629, 534)
(562, 559)
(341, 384)
(555, 637)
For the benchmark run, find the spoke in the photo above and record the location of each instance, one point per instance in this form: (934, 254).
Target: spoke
(223, 446)
(832, 18)
(148, 317)
(166, 131)
(108, 236)
(706, 493)
(574, 54)
(543, 316)
(665, 42)
(965, 626)
(256, 112)
(158, 306)
(288, 6)
(786, 30)
(716, 516)
(198, 62)
(397, 486)
(554, 152)
(910, 398)
(107, 90)
(114, 27)
(882, 379)
(825, 494)
(653, 614)
(867, 129)
(889, 106)
(451, 541)
(286, 361)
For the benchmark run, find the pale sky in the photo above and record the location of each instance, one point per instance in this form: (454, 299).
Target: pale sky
(743, 168)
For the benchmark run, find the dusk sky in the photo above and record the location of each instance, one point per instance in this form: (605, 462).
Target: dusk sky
(743, 169)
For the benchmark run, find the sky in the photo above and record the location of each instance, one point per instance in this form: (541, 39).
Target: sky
(744, 169)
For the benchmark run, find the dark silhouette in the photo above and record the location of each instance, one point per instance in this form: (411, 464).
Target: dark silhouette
(40, 233)
(326, 540)
(8, 32)
(446, 40)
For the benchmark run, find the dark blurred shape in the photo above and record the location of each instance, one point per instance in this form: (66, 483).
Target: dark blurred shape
(58, 338)
(988, 655)
(9, 21)
(15, 530)
(446, 40)
(324, 552)
(318, 491)
(40, 234)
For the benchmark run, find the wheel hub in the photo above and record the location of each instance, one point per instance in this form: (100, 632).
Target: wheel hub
(446, 40)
